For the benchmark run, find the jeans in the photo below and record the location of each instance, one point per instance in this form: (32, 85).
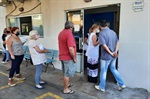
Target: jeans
(38, 73)
(8, 57)
(4, 59)
(16, 65)
(104, 67)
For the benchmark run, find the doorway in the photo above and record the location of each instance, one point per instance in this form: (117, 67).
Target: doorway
(111, 13)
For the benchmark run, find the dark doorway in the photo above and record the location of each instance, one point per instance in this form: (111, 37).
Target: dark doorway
(25, 25)
(111, 13)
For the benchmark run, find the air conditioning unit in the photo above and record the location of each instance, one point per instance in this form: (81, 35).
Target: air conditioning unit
(3, 2)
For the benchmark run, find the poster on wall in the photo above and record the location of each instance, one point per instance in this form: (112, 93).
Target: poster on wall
(76, 27)
(76, 17)
(138, 6)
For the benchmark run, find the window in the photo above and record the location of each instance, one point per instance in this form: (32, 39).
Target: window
(37, 24)
(13, 22)
(28, 23)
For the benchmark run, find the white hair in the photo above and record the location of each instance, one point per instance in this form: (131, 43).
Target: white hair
(32, 33)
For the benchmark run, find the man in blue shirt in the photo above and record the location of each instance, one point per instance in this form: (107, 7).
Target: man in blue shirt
(109, 53)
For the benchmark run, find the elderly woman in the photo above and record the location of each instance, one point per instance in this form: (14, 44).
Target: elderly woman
(38, 56)
(16, 51)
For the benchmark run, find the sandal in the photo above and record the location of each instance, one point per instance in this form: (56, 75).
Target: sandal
(70, 85)
(8, 69)
(70, 92)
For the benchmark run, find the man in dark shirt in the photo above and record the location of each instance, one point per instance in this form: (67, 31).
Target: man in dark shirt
(110, 45)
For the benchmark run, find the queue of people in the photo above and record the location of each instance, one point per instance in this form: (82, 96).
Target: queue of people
(14, 53)
(107, 39)
(109, 43)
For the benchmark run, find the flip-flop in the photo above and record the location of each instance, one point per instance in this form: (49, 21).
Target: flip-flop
(70, 85)
(70, 92)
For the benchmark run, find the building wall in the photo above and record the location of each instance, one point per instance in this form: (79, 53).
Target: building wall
(134, 40)
(134, 54)
(2, 23)
(149, 44)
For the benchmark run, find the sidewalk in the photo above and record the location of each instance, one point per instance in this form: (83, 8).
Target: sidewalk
(53, 90)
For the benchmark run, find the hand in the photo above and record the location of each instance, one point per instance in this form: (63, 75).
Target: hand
(112, 54)
(115, 54)
(74, 60)
(12, 57)
(46, 51)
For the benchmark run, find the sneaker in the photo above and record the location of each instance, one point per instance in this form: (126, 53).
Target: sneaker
(98, 88)
(4, 62)
(42, 83)
(121, 87)
(20, 77)
(39, 87)
(11, 82)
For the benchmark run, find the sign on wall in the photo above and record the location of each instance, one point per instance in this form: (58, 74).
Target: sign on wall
(138, 6)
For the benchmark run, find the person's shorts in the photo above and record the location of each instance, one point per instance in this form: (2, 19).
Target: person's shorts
(8, 57)
(68, 68)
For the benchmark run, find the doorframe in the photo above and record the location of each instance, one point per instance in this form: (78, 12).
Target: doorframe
(82, 12)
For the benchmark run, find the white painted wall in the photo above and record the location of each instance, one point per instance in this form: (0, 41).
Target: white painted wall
(134, 46)
(134, 55)
(2, 23)
(149, 43)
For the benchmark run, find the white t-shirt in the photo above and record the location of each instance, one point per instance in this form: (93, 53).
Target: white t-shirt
(37, 58)
(92, 51)
(6, 40)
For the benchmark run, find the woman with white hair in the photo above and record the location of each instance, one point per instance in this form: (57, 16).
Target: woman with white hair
(38, 56)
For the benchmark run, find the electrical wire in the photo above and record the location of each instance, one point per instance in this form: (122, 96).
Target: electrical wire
(16, 6)
(28, 10)
(10, 12)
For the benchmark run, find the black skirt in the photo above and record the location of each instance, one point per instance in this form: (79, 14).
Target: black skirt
(92, 71)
